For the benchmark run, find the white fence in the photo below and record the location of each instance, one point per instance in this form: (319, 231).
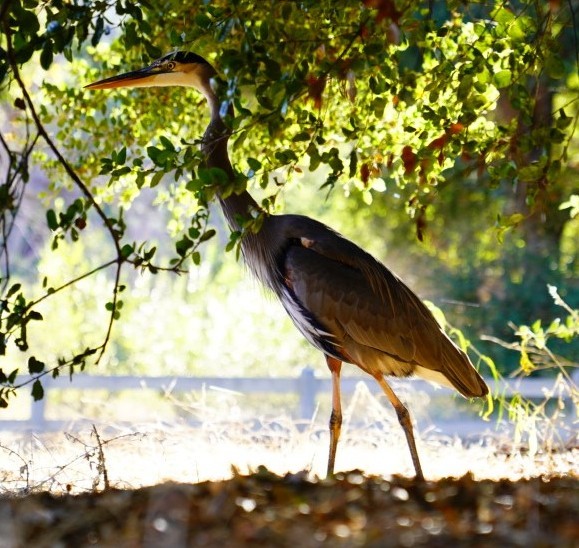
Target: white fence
(306, 386)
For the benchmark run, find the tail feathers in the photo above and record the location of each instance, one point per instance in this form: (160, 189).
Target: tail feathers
(460, 371)
(453, 368)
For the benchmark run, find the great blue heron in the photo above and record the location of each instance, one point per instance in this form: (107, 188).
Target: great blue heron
(344, 302)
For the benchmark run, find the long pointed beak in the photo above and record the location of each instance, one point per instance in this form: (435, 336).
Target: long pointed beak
(136, 78)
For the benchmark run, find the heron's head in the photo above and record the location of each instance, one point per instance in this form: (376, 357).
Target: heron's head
(179, 68)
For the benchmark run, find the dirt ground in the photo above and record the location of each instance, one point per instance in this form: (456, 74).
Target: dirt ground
(264, 509)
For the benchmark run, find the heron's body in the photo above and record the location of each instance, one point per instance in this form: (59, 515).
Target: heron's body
(343, 301)
(351, 307)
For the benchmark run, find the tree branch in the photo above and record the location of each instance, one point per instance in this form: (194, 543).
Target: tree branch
(77, 181)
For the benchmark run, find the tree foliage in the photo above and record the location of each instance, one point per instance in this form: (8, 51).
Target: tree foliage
(450, 111)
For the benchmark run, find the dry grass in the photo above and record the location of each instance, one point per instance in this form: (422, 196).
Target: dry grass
(129, 457)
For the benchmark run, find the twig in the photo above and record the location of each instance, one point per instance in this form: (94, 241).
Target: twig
(102, 466)
(24, 468)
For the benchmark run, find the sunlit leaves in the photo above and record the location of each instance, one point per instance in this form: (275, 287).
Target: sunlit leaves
(52, 30)
(517, 26)
(535, 338)
(572, 204)
(503, 78)
(163, 155)
(413, 105)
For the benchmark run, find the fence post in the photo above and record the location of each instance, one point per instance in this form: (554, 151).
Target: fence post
(307, 390)
(37, 412)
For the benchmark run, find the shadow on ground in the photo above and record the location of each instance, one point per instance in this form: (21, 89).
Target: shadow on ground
(264, 509)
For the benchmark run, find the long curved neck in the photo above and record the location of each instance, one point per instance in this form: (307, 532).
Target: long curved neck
(214, 148)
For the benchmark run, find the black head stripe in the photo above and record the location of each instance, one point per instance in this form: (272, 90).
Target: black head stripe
(186, 57)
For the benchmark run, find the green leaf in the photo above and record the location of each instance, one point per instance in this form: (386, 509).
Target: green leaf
(301, 136)
(156, 179)
(530, 173)
(514, 220)
(35, 366)
(557, 136)
(98, 31)
(183, 245)
(37, 390)
(122, 156)
(152, 51)
(464, 88)
(121, 171)
(15, 288)
(555, 67)
(176, 38)
(130, 35)
(253, 164)
(46, 55)
(127, 250)
(155, 154)
(564, 121)
(27, 20)
(572, 204)
(378, 106)
(286, 156)
(264, 31)
(503, 78)
(12, 376)
(150, 254)
(51, 219)
(207, 235)
(273, 70)
(202, 20)
(353, 163)
(166, 143)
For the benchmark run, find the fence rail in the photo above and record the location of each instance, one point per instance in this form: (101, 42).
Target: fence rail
(307, 386)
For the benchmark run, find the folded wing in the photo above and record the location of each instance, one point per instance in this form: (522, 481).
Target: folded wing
(378, 322)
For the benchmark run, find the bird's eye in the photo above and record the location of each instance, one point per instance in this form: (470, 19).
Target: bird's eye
(171, 65)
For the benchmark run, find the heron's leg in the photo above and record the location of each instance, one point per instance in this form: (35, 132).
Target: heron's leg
(336, 416)
(405, 422)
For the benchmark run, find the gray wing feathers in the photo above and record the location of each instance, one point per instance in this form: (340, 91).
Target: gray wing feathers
(372, 311)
